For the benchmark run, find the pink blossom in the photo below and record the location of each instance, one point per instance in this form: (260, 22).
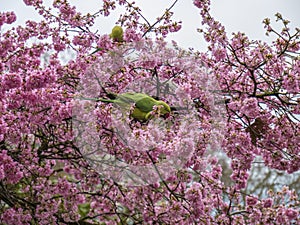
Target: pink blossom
(10, 17)
(58, 151)
(12, 80)
(200, 3)
(2, 173)
(131, 35)
(268, 203)
(29, 2)
(291, 214)
(2, 19)
(251, 201)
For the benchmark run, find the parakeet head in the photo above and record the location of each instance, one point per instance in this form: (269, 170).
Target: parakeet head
(164, 109)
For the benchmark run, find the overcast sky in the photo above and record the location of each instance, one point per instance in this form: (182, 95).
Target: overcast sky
(235, 15)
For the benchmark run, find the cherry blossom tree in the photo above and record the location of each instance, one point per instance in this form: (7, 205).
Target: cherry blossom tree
(68, 160)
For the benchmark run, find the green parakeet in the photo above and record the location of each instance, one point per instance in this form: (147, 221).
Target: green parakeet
(143, 104)
(117, 33)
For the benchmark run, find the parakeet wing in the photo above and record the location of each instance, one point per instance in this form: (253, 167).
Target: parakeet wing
(142, 101)
(132, 97)
(145, 104)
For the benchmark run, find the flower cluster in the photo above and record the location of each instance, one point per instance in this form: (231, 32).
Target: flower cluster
(68, 158)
